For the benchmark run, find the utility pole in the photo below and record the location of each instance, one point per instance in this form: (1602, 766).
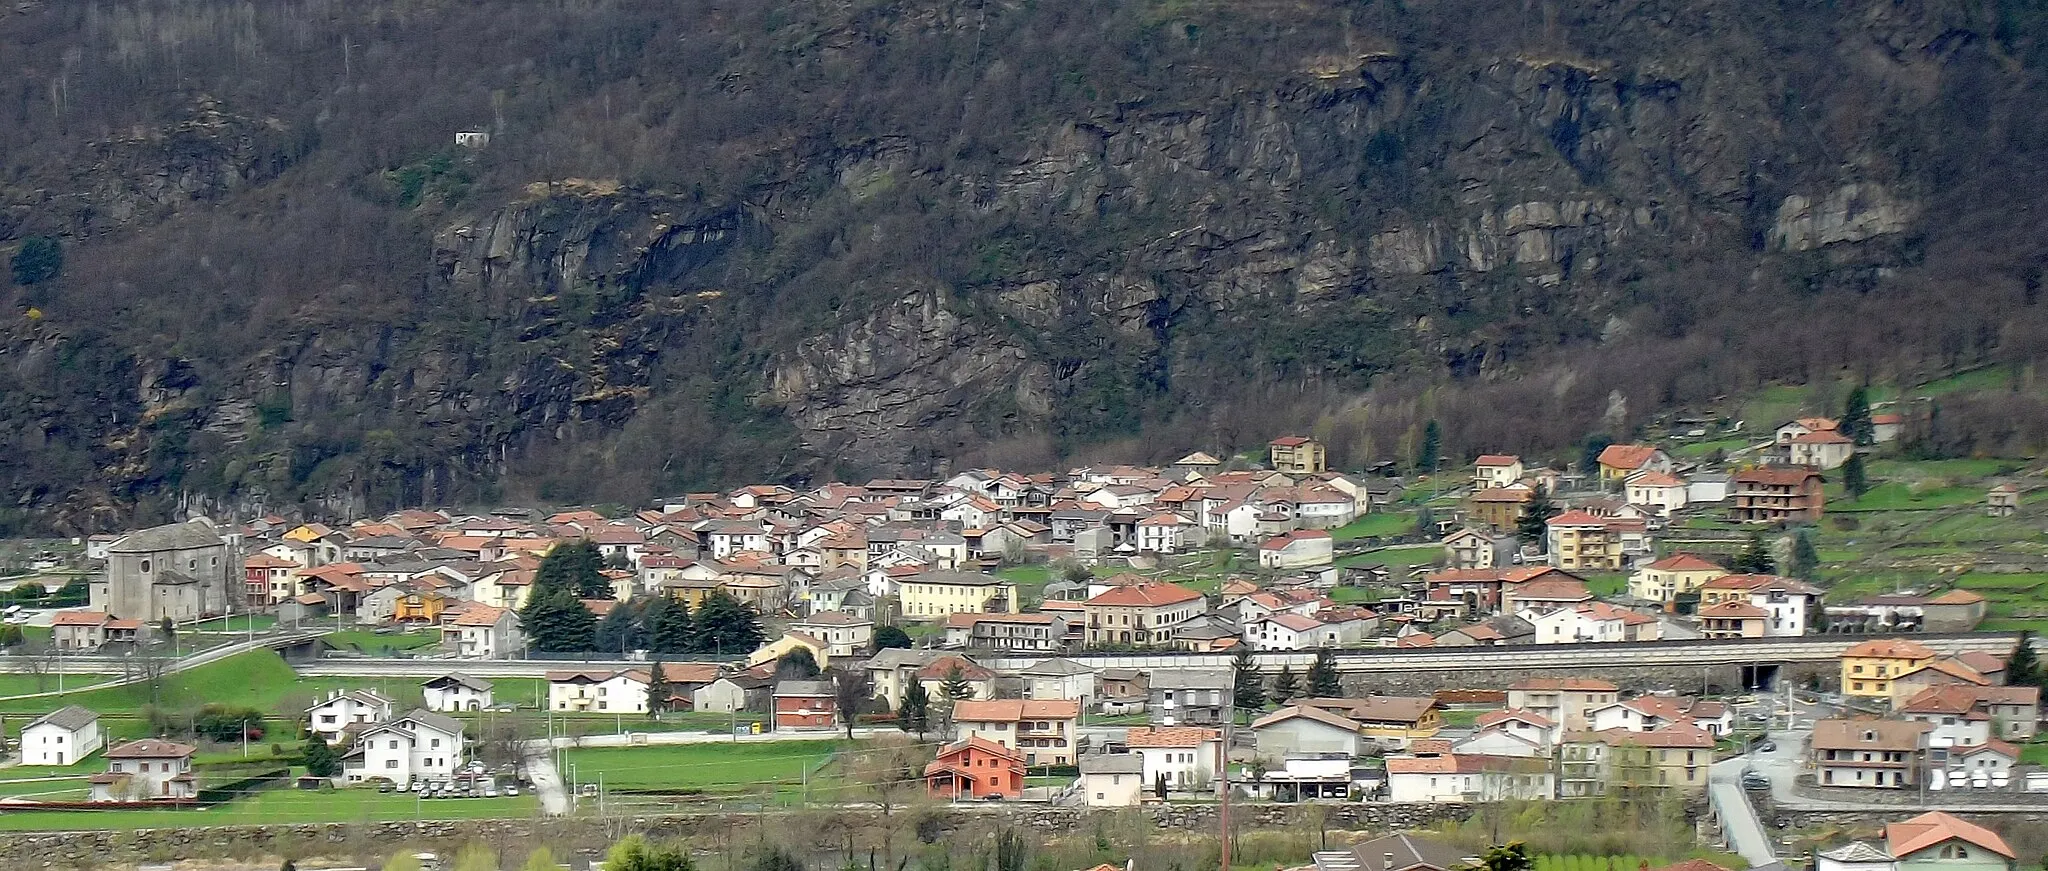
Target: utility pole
(1223, 810)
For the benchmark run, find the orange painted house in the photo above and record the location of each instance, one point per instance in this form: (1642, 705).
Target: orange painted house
(975, 768)
(805, 704)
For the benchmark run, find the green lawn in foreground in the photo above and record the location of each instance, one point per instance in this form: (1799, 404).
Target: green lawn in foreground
(715, 767)
(1398, 560)
(369, 642)
(1604, 584)
(23, 684)
(232, 625)
(1389, 523)
(281, 806)
(258, 679)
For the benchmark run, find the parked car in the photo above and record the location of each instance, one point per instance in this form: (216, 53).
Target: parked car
(1766, 746)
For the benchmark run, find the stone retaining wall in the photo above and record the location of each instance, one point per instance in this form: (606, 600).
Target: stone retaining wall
(829, 829)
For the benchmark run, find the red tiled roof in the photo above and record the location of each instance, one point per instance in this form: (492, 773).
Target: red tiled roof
(1890, 648)
(1626, 456)
(1497, 460)
(1576, 517)
(1684, 562)
(1821, 437)
(1145, 596)
(1170, 736)
(1012, 710)
(1935, 827)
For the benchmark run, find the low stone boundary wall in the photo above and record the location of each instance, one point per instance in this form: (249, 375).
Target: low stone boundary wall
(830, 828)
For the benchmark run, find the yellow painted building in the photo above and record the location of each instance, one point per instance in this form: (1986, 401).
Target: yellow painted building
(1665, 579)
(1869, 668)
(425, 607)
(933, 595)
(774, 650)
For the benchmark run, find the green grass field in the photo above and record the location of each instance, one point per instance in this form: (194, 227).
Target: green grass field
(712, 768)
(280, 806)
(232, 625)
(24, 684)
(372, 643)
(1605, 584)
(1389, 523)
(258, 679)
(1398, 560)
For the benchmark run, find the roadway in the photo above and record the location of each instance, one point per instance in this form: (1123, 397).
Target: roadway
(1692, 653)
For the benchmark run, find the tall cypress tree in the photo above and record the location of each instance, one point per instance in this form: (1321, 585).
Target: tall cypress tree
(557, 623)
(1855, 424)
(1322, 676)
(1248, 687)
(726, 625)
(1286, 686)
(914, 713)
(1430, 448)
(1533, 526)
(1855, 477)
(670, 628)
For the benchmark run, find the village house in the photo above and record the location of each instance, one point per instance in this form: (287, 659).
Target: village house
(1298, 548)
(1301, 729)
(1297, 455)
(1043, 731)
(1470, 548)
(1566, 701)
(1500, 508)
(421, 744)
(975, 768)
(479, 631)
(1058, 678)
(733, 693)
(267, 579)
(1868, 668)
(1393, 722)
(1591, 622)
(1538, 731)
(1496, 470)
(1821, 450)
(1458, 779)
(91, 630)
(342, 710)
(1007, 633)
(845, 635)
(2002, 500)
(65, 736)
(1177, 697)
(933, 595)
(609, 692)
(1787, 604)
(805, 705)
(1777, 494)
(1113, 779)
(1578, 541)
(455, 692)
(1660, 493)
(147, 770)
(1619, 462)
(1187, 758)
(1732, 619)
(1957, 610)
(1144, 614)
(1592, 763)
(1936, 841)
(1872, 754)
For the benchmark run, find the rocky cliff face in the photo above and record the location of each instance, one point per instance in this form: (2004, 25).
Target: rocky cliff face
(807, 240)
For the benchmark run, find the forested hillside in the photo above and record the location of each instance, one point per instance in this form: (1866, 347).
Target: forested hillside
(726, 241)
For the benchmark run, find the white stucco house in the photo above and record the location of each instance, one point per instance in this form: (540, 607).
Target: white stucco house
(455, 691)
(419, 744)
(61, 737)
(344, 708)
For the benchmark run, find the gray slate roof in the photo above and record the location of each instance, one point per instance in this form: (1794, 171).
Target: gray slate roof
(175, 536)
(425, 717)
(458, 678)
(1056, 667)
(70, 717)
(1112, 763)
(1407, 851)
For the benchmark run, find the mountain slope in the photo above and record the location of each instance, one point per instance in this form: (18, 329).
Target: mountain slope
(757, 240)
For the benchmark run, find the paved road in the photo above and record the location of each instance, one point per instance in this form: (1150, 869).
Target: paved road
(547, 782)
